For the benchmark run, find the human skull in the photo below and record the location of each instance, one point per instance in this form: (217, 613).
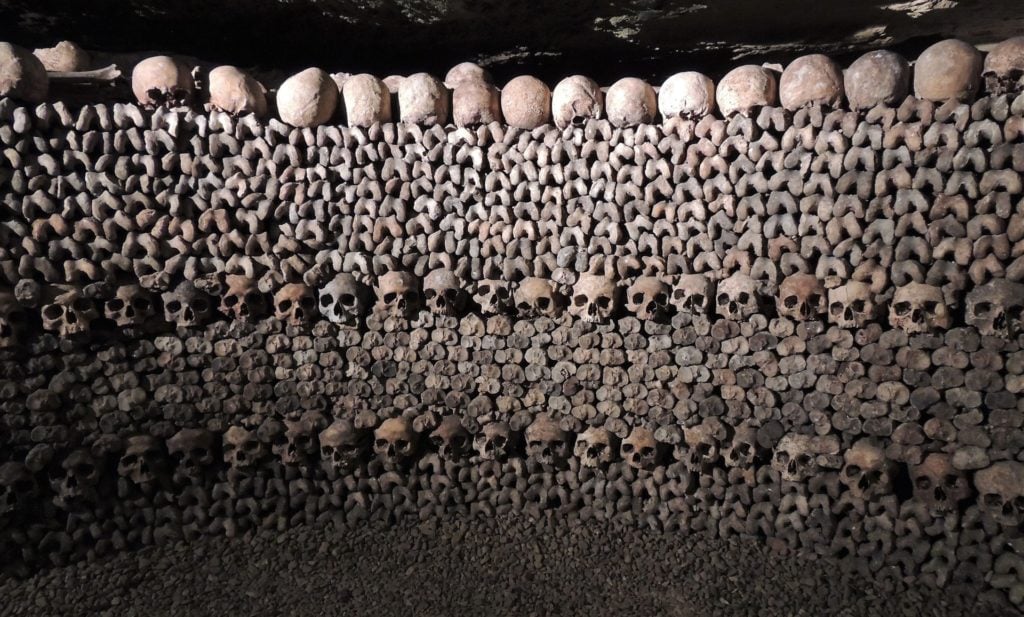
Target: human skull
(494, 441)
(451, 439)
(689, 95)
(466, 73)
(395, 441)
(243, 299)
(877, 77)
(743, 450)
(186, 306)
(814, 79)
(22, 75)
(536, 297)
(132, 305)
(576, 99)
(345, 300)
(1001, 491)
(594, 298)
(867, 472)
(596, 447)
(692, 294)
(398, 294)
(801, 297)
(307, 99)
(77, 482)
(526, 102)
(242, 449)
(949, 69)
(475, 103)
(444, 293)
(70, 313)
(193, 451)
(341, 446)
(295, 304)
(851, 305)
(235, 92)
(1004, 67)
(746, 88)
(648, 298)
(939, 485)
(703, 445)
(422, 99)
(639, 449)
(162, 81)
(631, 101)
(737, 297)
(13, 320)
(367, 100)
(798, 457)
(300, 445)
(997, 308)
(546, 442)
(917, 308)
(18, 489)
(143, 461)
(493, 296)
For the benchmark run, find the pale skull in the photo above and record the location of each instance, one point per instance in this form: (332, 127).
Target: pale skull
(949, 69)
(689, 95)
(1004, 67)
(877, 77)
(536, 297)
(693, 294)
(367, 100)
(575, 100)
(186, 306)
(395, 441)
(814, 79)
(939, 485)
(648, 298)
(308, 98)
(546, 442)
(295, 304)
(132, 305)
(398, 295)
(494, 441)
(631, 101)
(918, 308)
(703, 445)
(526, 102)
(193, 451)
(162, 81)
(997, 308)
(737, 297)
(143, 461)
(640, 449)
(341, 446)
(493, 296)
(235, 92)
(1001, 491)
(745, 89)
(801, 297)
(743, 450)
(450, 438)
(443, 292)
(797, 457)
(867, 472)
(594, 298)
(345, 300)
(243, 299)
(70, 313)
(242, 449)
(851, 305)
(596, 447)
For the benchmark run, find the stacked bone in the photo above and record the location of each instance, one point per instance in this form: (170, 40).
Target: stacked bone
(761, 324)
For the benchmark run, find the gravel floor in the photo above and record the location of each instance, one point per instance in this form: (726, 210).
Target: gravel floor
(494, 567)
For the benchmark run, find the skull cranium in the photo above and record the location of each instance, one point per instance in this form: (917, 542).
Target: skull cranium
(939, 485)
(640, 449)
(801, 297)
(444, 293)
(398, 294)
(450, 438)
(851, 305)
(1001, 491)
(186, 306)
(70, 313)
(395, 441)
(997, 308)
(295, 304)
(737, 297)
(243, 300)
(546, 442)
(345, 300)
(596, 447)
(494, 442)
(594, 298)
(918, 308)
(648, 298)
(867, 472)
(692, 294)
(536, 297)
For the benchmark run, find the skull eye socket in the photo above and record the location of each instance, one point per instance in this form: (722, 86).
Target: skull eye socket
(23, 486)
(931, 306)
(498, 441)
(430, 293)
(982, 308)
(115, 305)
(858, 305)
(174, 306)
(390, 297)
(901, 308)
(814, 299)
(230, 301)
(284, 306)
(580, 300)
(951, 480)
(483, 290)
(347, 299)
(835, 308)
(604, 302)
(543, 303)
(923, 483)
(790, 301)
(141, 304)
(853, 470)
(627, 448)
(52, 311)
(722, 299)
(85, 469)
(326, 300)
(80, 304)
(1015, 311)
(744, 297)
(638, 298)
(502, 293)
(200, 305)
(782, 456)
(661, 298)
(698, 300)
(678, 294)
(380, 443)
(803, 460)
(991, 499)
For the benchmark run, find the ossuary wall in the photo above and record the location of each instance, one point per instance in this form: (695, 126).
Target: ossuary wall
(802, 326)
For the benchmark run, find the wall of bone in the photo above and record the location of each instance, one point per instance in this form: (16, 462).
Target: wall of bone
(800, 325)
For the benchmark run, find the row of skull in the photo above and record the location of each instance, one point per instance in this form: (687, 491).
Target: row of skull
(995, 308)
(341, 446)
(949, 69)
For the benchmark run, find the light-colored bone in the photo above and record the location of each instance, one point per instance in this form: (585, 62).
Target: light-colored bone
(877, 77)
(811, 80)
(575, 100)
(526, 102)
(234, 91)
(22, 75)
(631, 101)
(689, 95)
(949, 69)
(367, 100)
(307, 99)
(746, 88)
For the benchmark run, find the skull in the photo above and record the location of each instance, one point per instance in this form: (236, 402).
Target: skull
(546, 442)
(536, 297)
(1001, 491)
(494, 441)
(294, 442)
(692, 294)
(798, 457)
(997, 308)
(877, 77)
(450, 438)
(526, 102)
(1004, 67)
(187, 307)
(917, 308)
(295, 304)
(631, 101)
(851, 305)
(23, 76)
(949, 69)
(640, 450)
(13, 320)
(80, 475)
(443, 292)
(242, 448)
(395, 440)
(162, 81)
(143, 460)
(243, 300)
(493, 296)
(308, 98)
(345, 300)
(18, 488)
(132, 305)
(475, 103)
(737, 297)
(70, 313)
(596, 447)
(341, 446)
(193, 450)
(801, 297)
(423, 99)
(814, 79)
(234, 91)
(703, 445)
(466, 73)
(367, 100)
(594, 298)
(688, 95)
(938, 484)
(648, 298)
(745, 88)
(398, 294)
(867, 473)
(743, 450)
(576, 99)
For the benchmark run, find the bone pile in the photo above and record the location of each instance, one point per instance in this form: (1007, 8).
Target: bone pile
(801, 322)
